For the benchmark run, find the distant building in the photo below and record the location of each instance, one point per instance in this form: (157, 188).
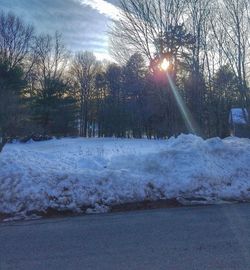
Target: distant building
(239, 123)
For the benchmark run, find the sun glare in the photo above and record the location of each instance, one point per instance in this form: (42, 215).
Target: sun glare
(165, 64)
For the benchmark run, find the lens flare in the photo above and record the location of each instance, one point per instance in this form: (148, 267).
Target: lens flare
(186, 114)
(165, 64)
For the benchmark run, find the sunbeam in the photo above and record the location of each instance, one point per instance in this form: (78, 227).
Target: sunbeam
(186, 114)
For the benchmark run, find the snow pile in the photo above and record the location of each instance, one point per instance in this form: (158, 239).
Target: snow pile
(90, 175)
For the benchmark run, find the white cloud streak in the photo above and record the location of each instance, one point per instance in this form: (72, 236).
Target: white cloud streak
(103, 7)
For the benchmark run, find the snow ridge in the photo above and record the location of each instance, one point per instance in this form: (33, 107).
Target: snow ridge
(90, 175)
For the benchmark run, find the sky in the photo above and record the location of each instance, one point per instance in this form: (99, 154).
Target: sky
(82, 23)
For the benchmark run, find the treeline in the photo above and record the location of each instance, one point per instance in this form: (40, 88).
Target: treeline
(45, 89)
(207, 43)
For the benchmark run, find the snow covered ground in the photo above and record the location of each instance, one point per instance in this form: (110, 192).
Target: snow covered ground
(90, 175)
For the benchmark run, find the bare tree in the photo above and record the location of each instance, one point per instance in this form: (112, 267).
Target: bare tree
(234, 39)
(51, 58)
(15, 39)
(142, 21)
(15, 45)
(84, 68)
(198, 14)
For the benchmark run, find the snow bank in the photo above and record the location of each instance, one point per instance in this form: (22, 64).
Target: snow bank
(90, 175)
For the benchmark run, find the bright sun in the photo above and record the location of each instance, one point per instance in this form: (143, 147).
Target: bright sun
(165, 64)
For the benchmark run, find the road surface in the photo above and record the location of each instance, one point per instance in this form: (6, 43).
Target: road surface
(213, 237)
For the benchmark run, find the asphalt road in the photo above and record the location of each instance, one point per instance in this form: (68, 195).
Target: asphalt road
(213, 237)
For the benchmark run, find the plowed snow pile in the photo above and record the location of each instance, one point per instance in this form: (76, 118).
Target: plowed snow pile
(94, 174)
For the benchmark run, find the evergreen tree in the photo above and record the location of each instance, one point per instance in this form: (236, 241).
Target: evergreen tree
(54, 110)
(12, 85)
(115, 103)
(134, 83)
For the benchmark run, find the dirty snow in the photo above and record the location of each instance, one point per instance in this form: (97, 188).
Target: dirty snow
(90, 175)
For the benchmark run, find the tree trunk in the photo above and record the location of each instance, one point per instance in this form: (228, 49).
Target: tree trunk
(81, 116)
(85, 127)
(2, 142)
(1, 145)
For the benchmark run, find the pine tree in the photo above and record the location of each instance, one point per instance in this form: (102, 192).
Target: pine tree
(11, 86)
(54, 110)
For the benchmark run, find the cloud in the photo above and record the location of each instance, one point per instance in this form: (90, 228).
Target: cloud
(83, 23)
(103, 56)
(103, 7)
